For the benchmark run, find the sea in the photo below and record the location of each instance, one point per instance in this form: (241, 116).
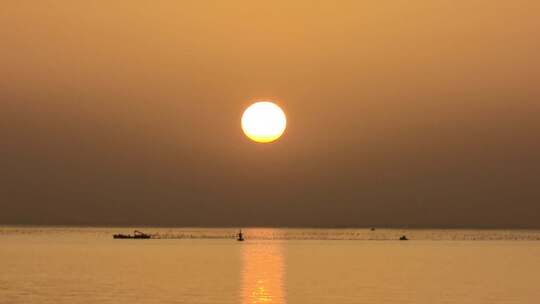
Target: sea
(305, 266)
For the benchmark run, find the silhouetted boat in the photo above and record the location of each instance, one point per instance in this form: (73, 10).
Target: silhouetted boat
(240, 236)
(136, 235)
(403, 238)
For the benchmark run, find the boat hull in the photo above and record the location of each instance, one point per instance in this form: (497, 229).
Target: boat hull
(127, 236)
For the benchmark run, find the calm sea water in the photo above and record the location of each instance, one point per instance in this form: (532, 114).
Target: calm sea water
(85, 265)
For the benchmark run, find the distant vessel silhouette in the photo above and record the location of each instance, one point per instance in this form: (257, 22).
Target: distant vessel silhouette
(240, 236)
(136, 235)
(403, 238)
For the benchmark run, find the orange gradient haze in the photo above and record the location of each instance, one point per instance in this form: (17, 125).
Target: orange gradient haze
(405, 113)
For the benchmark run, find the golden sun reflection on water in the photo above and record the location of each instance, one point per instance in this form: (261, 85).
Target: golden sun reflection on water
(263, 273)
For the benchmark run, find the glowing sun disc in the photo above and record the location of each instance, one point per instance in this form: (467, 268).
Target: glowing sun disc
(264, 122)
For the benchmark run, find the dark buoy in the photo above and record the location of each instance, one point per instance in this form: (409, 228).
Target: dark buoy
(240, 237)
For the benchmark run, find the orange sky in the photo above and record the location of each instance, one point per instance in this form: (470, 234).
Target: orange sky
(419, 113)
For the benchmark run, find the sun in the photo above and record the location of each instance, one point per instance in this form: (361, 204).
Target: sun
(264, 122)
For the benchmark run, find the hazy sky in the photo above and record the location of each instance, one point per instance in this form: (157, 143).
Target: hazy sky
(400, 113)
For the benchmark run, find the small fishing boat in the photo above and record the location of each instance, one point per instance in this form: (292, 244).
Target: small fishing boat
(403, 238)
(136, 235)
(240, 236)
